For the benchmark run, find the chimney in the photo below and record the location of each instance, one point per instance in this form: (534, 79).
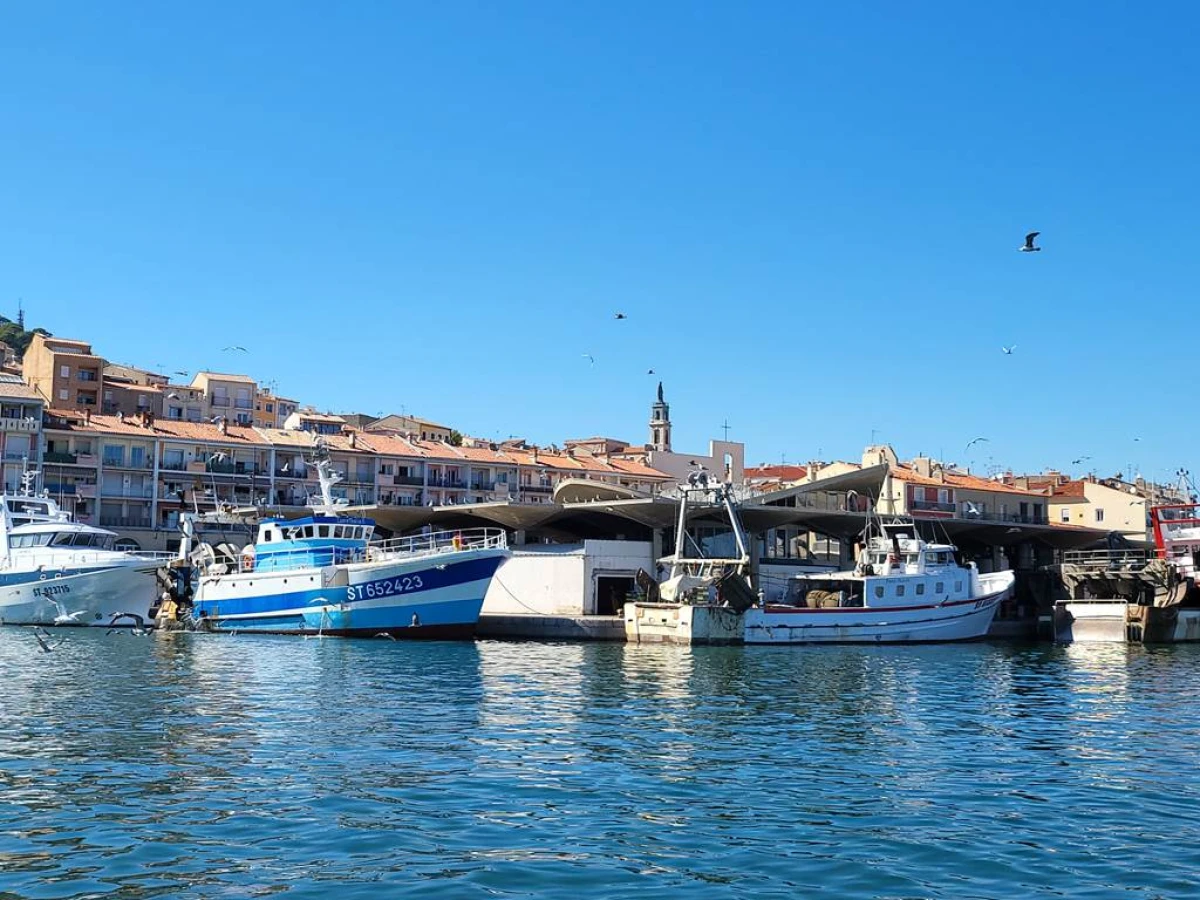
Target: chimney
(87, 416)
(222, 427)
(351, 439)
(535, 455)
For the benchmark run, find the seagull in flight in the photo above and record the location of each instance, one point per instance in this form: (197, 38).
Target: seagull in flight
(1008, 350)
(620, 315)
(183, 373)
(649, 371)
(172, 396)
(1081, 459)
(237, 348)
(1028, 247)
(973, 442)
(591, 359)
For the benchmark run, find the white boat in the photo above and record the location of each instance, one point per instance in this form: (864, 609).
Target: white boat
(54, 571)
(903, 590)
(324, 574)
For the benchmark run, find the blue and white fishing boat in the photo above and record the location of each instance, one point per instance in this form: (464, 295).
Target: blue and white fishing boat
(324, 574)
(54, 571)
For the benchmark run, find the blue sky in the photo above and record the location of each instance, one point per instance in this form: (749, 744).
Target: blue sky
(808, 212)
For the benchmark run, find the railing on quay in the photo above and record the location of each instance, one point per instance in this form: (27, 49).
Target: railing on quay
(438, 543)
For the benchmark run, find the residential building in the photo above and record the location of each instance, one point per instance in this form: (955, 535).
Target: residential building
(20, 429)
(66, 373)
(1106, 504)
(228, 396)
(183, 403)
(412, 426)
(318, 423)
(271, 410)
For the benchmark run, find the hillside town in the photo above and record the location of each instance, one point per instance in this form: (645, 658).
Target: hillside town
(130, 449)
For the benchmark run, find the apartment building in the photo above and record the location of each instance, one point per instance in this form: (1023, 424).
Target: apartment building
(412, 426)
(20, 429)
(317, 423)
(271, 410)
(66, 373)
(228, 396)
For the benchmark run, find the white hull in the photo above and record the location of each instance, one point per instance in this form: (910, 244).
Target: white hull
(89, 598)
(960, 620)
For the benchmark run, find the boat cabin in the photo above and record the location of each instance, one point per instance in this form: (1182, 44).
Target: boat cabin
(309, 542)
(896, 569)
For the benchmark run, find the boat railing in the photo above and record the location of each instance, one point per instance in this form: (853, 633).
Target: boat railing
(80, 557)
(440, 542)
(437, 543)
(1124, 558)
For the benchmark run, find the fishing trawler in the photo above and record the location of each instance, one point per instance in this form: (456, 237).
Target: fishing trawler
(55, 571)
(325, 574)
(902, 590)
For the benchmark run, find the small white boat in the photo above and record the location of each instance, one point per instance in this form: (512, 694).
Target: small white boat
(54, 571)
(903, 590)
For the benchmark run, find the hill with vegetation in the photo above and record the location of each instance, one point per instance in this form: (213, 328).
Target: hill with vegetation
(17, 337)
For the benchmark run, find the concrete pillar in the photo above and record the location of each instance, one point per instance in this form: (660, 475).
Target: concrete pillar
(519, 537)
(656, 545)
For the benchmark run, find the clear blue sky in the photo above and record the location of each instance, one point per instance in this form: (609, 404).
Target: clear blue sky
(809, 212)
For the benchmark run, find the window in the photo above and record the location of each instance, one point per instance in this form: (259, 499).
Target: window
(270, 407)
(958, 585)
(940, 587)
(324, 531)
(1065, 514)
(899, 590)
(64, 372)
(62, 394)
(879, 592)
(137, 457)
(920, 589)
(1099, 515)
(114, 455)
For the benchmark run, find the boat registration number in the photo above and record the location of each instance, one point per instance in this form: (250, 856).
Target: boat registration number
(401, 584)
(50, 590)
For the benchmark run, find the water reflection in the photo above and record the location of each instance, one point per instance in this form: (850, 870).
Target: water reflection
(217, 766)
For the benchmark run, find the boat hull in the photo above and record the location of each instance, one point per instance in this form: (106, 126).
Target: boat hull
(88, 598)
(429, 597)
(961, 620)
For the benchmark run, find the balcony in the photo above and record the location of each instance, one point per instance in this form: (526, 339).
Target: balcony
(69, 459)
(60, 490)
(122, 522)
(937, 507)
(129, 493)
(290, 473)
(483, 485)
(537, 488)
(222, 402)
(408, 480)
(88, 375)
(435, 481)
(174, 466)
(13, 456)
(86, 490)
(243, 404)
(221, 468)
(25, 425)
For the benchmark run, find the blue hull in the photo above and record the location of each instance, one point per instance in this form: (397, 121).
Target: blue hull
(416, 600)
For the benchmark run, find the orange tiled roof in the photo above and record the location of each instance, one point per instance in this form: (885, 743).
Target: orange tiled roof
(781, 472)
(162, 428)
(959, 480)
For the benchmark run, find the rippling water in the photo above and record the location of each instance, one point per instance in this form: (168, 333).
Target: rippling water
(215, 766)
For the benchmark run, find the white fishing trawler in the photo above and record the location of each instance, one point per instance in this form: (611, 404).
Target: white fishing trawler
(325, 574)
(902, 590)
(54, 571)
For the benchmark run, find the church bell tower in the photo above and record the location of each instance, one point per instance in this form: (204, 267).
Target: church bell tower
(660, 423)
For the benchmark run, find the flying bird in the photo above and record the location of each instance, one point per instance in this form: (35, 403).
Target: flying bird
(235, 347)
(1008, 350)
(620, 315)
(591, 359)
(649, 371)
(139, 623)
(42, 636)
(1028, 247)
(183, 373)
(172, 396)
(1076, 462)
(216, 419)
(971, 443)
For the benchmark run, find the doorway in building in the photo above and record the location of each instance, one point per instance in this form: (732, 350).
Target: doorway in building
(611, 591)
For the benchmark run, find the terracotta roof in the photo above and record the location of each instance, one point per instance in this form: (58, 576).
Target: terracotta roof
(780, 473)
(16, 389)
(637, 467)
(307, 440)
(170, 429)
(960, 480)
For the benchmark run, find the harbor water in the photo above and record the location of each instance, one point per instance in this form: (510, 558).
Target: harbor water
(241, 766)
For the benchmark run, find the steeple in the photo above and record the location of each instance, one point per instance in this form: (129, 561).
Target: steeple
(660, 423)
